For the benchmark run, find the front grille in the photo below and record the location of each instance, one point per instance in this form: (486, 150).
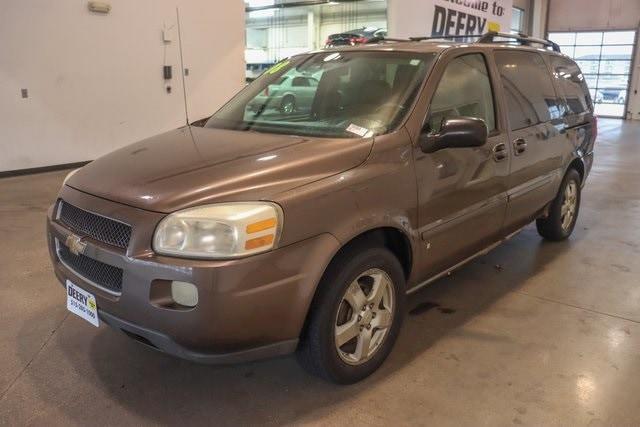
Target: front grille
(97, 227)
(101, 274)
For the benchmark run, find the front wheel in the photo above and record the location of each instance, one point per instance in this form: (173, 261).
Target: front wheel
(563, 212)
(356, 316)
(288, 105)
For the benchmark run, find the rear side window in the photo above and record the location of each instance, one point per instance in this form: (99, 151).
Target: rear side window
(464, 90)
(531, 98)
(300, 82)
(571, 84)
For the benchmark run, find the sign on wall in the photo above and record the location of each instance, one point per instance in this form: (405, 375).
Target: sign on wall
(448, 17)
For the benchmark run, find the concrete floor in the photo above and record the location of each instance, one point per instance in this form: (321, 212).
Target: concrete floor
(533, 333)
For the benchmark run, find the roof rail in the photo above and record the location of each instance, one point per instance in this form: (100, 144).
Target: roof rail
(489, 37)
(452, 36)
(522, 39)
(381, 39)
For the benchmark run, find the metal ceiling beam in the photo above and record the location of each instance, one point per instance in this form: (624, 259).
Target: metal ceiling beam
(296, 4)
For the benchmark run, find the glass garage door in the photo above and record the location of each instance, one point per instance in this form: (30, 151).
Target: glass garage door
(605, 58)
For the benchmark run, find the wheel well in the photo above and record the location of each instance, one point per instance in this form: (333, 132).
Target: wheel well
(388, 237)
(578, 165)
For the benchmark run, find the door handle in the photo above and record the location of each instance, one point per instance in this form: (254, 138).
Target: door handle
(500, 152)
(519, 146)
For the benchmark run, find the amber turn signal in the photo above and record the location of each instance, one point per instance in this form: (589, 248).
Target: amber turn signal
(261, 225)
(259, 242)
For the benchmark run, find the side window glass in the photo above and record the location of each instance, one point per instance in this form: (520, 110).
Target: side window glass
(572, 85)
(531, 98)
(300, 82)
(464, 90)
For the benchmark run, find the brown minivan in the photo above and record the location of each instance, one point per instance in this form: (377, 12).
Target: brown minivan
(301, 222)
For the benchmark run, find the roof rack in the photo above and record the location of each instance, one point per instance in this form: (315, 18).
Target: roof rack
(454, 37)
(521, 38)
(381, 39)
(489, 37)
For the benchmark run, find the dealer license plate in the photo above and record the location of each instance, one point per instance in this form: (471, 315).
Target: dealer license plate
(82, 303)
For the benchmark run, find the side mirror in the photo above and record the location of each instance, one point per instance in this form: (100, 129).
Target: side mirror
(455, 133)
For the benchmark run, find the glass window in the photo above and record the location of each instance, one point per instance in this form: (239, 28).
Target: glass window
(357, 94)
(464, 90)
(563, 39)
(593, 39)
(531, 98)
(587, 52)
(619, 37)
(568, 50)
(278, 29)
(606, 64)
(614, 67)
(300, 82)
(572, 85)
(517, 20)
(617, 52)
(589, 66)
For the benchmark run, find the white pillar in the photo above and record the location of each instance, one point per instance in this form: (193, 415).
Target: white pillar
(539, 21)
(311, 30)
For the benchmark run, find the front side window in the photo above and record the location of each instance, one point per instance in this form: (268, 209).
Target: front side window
(531, 98)
(464, 90)
(332, 94)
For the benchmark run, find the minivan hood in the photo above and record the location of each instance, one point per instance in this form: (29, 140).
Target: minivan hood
(191, 166)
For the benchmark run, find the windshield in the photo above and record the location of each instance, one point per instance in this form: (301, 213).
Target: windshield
(332, 94)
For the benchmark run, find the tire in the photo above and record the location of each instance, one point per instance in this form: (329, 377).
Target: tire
(318, 352)
(556, 226)
(288, 105)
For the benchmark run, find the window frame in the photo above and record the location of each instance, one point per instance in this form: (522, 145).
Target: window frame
(497, 122)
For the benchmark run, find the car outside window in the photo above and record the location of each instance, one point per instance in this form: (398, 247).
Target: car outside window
(531, 98)
(464, 90)
(329, 94)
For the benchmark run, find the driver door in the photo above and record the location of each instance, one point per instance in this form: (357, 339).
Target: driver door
(461, 191)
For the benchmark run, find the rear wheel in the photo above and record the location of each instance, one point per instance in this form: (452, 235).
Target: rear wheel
(563, 212)
(356, 316)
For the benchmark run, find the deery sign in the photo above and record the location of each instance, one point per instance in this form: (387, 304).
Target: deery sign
(464, 17)
(448, 17)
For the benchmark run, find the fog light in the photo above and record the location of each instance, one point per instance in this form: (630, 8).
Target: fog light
(184, 293)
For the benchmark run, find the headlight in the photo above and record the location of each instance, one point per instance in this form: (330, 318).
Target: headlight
(69, 175)
(226, 230)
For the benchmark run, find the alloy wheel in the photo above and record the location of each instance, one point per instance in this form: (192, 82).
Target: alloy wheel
(569, 205)
(364, 316)
(289, 106)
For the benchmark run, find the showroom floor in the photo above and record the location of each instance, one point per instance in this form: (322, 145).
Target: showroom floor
(533, 333)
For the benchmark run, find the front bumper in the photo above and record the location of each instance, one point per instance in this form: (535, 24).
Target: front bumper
(248, 308)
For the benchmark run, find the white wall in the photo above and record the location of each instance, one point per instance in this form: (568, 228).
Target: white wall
(95, 81)
(579, 15)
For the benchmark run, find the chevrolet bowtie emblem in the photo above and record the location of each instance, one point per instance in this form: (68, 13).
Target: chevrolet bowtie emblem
(75, 244)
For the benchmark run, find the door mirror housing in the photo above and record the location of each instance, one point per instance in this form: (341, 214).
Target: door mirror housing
(455, 132)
